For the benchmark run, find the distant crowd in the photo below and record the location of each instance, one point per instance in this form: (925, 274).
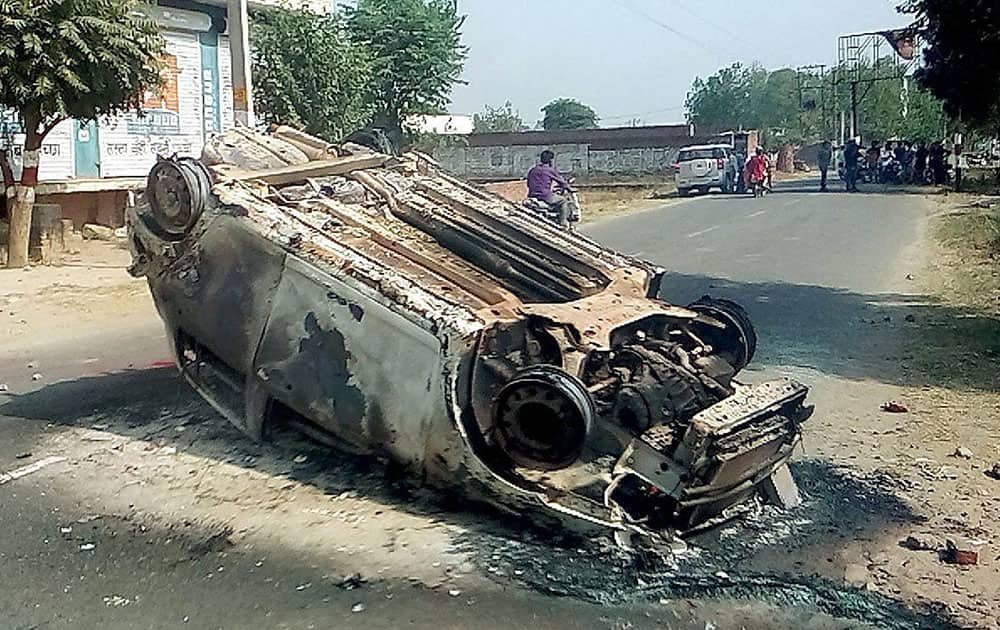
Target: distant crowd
(895, 162)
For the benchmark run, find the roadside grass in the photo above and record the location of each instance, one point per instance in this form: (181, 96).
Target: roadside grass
(610, 201)
(958, 342)
(967, 243)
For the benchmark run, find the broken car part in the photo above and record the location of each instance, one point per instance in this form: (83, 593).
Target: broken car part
(381, 305)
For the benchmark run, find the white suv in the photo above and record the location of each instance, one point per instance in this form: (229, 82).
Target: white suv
(706, 166)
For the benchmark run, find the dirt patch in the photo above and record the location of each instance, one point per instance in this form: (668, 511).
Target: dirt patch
(89, 287)
(612, 201)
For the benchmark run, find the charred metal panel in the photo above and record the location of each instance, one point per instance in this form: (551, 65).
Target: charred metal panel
(219, 291)
(350, 364)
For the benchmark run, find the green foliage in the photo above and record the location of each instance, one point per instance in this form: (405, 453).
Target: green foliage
(792, 108)
(494, 119)
(881, 107)
(417, 52)
(74, 59)
(568, 113)
(308, 73)
(961, 56)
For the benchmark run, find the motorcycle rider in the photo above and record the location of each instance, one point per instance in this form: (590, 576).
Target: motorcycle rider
(541, 178)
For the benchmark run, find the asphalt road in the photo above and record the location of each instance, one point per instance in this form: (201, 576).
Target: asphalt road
(813, 269)
(794, 235)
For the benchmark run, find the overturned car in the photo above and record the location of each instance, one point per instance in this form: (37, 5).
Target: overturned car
(383, 306)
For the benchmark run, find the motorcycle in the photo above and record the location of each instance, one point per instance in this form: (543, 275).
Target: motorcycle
(891, 171)
(551, 213)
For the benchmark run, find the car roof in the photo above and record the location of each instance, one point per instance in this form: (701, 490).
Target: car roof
(706, 146)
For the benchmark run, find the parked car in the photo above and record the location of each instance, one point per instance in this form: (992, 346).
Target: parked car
(704, 167)
(382, 306)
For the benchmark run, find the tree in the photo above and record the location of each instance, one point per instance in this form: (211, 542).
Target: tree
(64, 59)
(568, 113)
(417, 52)
(308, 73)
(494, 119)
(776, 104)
(961, 56)
(729, 98)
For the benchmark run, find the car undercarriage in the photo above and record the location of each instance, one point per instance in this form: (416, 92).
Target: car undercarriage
(384, 306)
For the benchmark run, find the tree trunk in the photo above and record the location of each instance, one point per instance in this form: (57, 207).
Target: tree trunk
(20, 204)
(23, 200)
(786, 159)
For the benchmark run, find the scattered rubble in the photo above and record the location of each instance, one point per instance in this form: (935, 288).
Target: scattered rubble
(953, 555)
(894, 407)
(962, 452)
(994, 471)
(95, 232)
(351, 582)
(920, 542)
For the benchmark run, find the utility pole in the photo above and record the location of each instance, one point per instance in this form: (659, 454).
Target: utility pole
(239, 48)
(854, 109)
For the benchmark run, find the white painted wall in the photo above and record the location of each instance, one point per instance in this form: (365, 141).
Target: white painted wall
(129, 151)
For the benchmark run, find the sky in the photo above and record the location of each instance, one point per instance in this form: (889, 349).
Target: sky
(637, 58)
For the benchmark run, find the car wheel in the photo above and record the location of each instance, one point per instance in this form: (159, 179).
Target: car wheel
(703, 190)
(683, 192)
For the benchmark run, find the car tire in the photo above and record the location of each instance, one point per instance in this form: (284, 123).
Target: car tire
(683, 192)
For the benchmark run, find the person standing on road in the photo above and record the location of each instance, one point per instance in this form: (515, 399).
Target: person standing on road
(874, 157)
(959, 163)
(920, 164)
(939, 170)
(852, 154)
(823, 160)
(541, 178)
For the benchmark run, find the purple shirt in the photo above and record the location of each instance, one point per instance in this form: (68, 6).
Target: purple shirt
(540, 179)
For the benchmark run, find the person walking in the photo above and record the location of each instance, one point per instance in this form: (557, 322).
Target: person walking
(852, 154)
(823, 158)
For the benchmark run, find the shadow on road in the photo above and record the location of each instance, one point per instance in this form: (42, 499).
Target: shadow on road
(904, 340)
(150, 404)
(806, 185)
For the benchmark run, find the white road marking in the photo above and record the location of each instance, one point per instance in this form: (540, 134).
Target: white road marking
(701, 232)
(756, 214)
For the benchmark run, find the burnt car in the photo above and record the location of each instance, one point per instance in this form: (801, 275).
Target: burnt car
(383, 306)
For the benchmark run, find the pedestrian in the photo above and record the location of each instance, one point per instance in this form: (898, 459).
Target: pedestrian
(741, 163)
(823, 158)
(939, 170)
(960, 163)
(852, 155)
(920, 163)
(904, 155)
(873, 157)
